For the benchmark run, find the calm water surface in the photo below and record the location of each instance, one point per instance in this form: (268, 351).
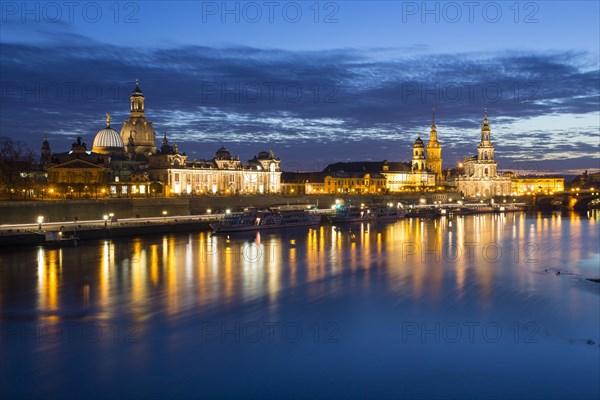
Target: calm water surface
(459, 307)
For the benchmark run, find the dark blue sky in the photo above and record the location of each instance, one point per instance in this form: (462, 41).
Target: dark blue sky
(317, 82)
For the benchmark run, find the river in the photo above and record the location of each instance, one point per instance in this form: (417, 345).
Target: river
(482, 306)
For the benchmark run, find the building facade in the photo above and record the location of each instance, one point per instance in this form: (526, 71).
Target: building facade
(129, 164)
(354, 183)
(478, 175)
(416, 176)
(77, 173)
(523, 185)
(224, 174)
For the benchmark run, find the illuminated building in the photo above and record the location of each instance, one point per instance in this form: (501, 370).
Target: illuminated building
(479, 176)
(223, 174)
(424, 170)
(409, 177)
(108, 141)
(137, 130)
(78, 173)
(129, 164)
(536, 184)
(434, 151)
(303, 182)
(355, 183)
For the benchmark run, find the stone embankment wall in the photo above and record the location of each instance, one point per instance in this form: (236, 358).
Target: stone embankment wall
(20, 212)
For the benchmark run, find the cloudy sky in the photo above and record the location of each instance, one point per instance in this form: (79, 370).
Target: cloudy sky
(316, 82)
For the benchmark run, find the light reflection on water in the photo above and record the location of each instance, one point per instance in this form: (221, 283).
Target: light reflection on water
(178, 315)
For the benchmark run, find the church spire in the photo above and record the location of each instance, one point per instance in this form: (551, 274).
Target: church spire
(433, 132)
(434, 149)
(485, 128)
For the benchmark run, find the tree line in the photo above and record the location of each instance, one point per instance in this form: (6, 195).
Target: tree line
(20, 172)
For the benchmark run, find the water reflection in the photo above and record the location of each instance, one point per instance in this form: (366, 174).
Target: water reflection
(367, 278)
(426, 257)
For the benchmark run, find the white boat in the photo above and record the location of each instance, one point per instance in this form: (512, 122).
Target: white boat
(261, 220)
(367, 214)
(57, 238)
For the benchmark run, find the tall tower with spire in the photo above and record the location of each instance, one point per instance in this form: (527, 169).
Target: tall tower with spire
(434, 151)
(46, 153)
(480, 177)
(137, 127)
(485, 151)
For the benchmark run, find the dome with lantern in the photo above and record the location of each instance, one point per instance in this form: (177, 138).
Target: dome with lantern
(418, 142)
(223, 154)
(108, 141)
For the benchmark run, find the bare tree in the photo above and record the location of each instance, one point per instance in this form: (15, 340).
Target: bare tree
(17, 164)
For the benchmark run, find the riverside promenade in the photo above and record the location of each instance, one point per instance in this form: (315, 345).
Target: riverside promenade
(67, 211)
(28, 234)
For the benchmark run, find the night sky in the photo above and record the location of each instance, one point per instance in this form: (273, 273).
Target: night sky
(316, 82)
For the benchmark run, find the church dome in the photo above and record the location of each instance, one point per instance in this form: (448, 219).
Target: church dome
(266, 155)
(108, 137)
(108, 140)
(418, 142)
(222, 154)
(137, 91)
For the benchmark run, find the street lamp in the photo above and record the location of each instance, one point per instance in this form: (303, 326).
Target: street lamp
(105, 218)
(164, 213)
(40, 220)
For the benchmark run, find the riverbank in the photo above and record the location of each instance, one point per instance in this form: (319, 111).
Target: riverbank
(98, 229)
(23, 212)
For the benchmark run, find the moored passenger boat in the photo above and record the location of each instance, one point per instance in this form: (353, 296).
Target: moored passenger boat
(367, 214)
(56, 238)
(261, 220)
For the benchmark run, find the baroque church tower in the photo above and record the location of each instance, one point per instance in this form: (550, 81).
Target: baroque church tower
(137, 128)
(485, 166)
(480, 176)
(434, 151)
(418, 161)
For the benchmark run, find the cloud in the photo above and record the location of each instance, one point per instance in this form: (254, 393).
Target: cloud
(323, 104)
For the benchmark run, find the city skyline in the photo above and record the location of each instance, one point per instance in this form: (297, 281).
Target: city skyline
(226, 80)
(300, 199)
